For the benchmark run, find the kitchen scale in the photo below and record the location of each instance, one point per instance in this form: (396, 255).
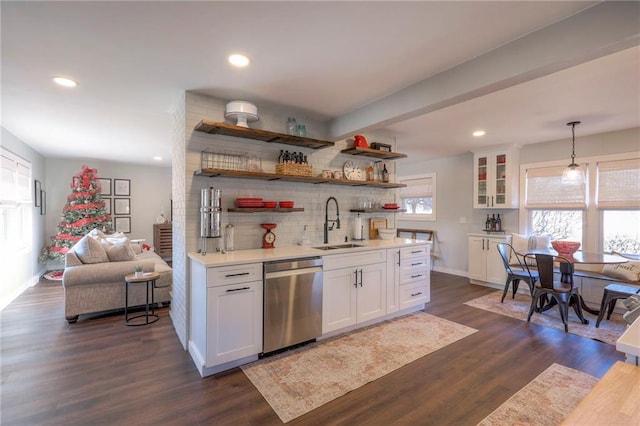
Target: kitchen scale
(269, 238)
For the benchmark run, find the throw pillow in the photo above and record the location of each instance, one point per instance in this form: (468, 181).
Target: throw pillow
(89, 250)
(522, 243)
(95, 232)
(629, 271)
(120, 252)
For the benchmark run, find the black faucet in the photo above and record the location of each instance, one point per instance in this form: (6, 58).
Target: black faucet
(336, 222)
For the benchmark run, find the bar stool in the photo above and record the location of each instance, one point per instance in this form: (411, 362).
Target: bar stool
(149, 317)
(612, 293)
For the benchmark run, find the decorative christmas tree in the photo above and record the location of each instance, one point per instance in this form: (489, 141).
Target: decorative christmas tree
(83, 211)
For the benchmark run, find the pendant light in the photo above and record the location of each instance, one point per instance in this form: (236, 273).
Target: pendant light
(573, 174)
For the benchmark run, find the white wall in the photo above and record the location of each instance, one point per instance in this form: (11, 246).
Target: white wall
(29, 275)
(150, 191)
(455, 190)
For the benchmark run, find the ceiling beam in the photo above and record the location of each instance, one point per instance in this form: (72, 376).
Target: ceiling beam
(597, 31)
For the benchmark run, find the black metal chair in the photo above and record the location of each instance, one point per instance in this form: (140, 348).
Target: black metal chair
(516, 270)
(561, 292)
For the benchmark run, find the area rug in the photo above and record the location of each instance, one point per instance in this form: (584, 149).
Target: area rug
(296, 382)
(54, 275)
(608, 332)
(546, 400)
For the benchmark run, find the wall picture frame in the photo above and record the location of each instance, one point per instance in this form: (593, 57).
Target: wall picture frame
(122, 206)
(107, 205)
(105, 184)
(43, 202)
(122, 187)
(122, 224)
(37, 196)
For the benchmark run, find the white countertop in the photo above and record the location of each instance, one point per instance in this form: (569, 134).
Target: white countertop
(629, 342)
(290, 252)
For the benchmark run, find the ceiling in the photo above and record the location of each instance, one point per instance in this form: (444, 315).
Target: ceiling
(428, 73)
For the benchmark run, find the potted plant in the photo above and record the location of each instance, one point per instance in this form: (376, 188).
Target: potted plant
(138, 271)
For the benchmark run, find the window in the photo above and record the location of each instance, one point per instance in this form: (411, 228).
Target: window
(15, 202)
(603, 214)
(419, 197)
(618, 198)
(559, 224)
(555, 209)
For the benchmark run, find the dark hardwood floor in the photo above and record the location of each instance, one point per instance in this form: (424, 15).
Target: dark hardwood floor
(98, 371)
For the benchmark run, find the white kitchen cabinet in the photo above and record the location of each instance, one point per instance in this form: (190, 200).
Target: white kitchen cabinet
(408, 277)
(226, 316)
(354, 289)
(485, 263)
(495, 179)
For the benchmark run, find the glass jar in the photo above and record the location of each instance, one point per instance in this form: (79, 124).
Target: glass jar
(229, 231)
(292, 126)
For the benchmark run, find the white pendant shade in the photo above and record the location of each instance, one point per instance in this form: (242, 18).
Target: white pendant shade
(573, 175)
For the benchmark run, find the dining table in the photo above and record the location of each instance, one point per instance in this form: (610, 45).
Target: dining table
(567, 269)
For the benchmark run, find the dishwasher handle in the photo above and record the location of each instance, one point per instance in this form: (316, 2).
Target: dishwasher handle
(292, 272)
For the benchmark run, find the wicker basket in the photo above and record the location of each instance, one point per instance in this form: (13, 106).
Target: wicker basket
(294, 169)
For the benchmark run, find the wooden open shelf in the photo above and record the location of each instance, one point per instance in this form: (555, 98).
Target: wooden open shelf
(291, 178)
(264, 209)
(375, 153)
(217, 128)
(377, 210)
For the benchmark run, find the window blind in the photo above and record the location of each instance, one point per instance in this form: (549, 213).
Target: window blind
(618, 184)
(544, 190)
(417, 188)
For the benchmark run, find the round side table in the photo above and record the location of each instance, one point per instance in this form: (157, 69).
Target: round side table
(149, 317)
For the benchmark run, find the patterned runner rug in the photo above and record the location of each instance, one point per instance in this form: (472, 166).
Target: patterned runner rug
(608, 332)
(296, 382)
(546, 400)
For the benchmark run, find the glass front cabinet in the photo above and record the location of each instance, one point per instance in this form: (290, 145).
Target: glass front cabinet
(495, 181)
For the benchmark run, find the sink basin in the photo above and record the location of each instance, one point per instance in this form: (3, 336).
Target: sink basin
(338, 246)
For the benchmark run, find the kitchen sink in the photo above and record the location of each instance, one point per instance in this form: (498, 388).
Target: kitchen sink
(338, 246)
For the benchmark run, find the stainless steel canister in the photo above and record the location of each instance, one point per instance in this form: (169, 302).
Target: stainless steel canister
(210, 213)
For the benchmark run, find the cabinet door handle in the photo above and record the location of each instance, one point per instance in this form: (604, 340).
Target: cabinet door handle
(483, 244)
(238, 289)
(398, 257)
(355, 282)
(360, 277)
(416, 251)
(416, 276)
(416, 294)
(416, 264)
(236, 275)
(492, 201)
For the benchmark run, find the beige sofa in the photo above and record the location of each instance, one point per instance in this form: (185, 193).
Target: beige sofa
(95, 284)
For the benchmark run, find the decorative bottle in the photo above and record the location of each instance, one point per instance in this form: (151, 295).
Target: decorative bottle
(292, 126)
(498, 223)
(385, 173)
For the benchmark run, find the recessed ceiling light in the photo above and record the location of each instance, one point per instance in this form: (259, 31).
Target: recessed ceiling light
(157, 158)
(238, 60)
(66, 82)
(479, 133)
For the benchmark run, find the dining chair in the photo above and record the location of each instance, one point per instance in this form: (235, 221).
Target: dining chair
(516, 270)
(560, 291)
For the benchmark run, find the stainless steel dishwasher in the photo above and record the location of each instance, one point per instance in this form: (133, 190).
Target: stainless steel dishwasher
(292, 302)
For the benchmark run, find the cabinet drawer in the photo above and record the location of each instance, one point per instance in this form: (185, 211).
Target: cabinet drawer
(338, 261)
(414, 294)
(415, 251)
(414, 274)
(416, 263)
(234, 274)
